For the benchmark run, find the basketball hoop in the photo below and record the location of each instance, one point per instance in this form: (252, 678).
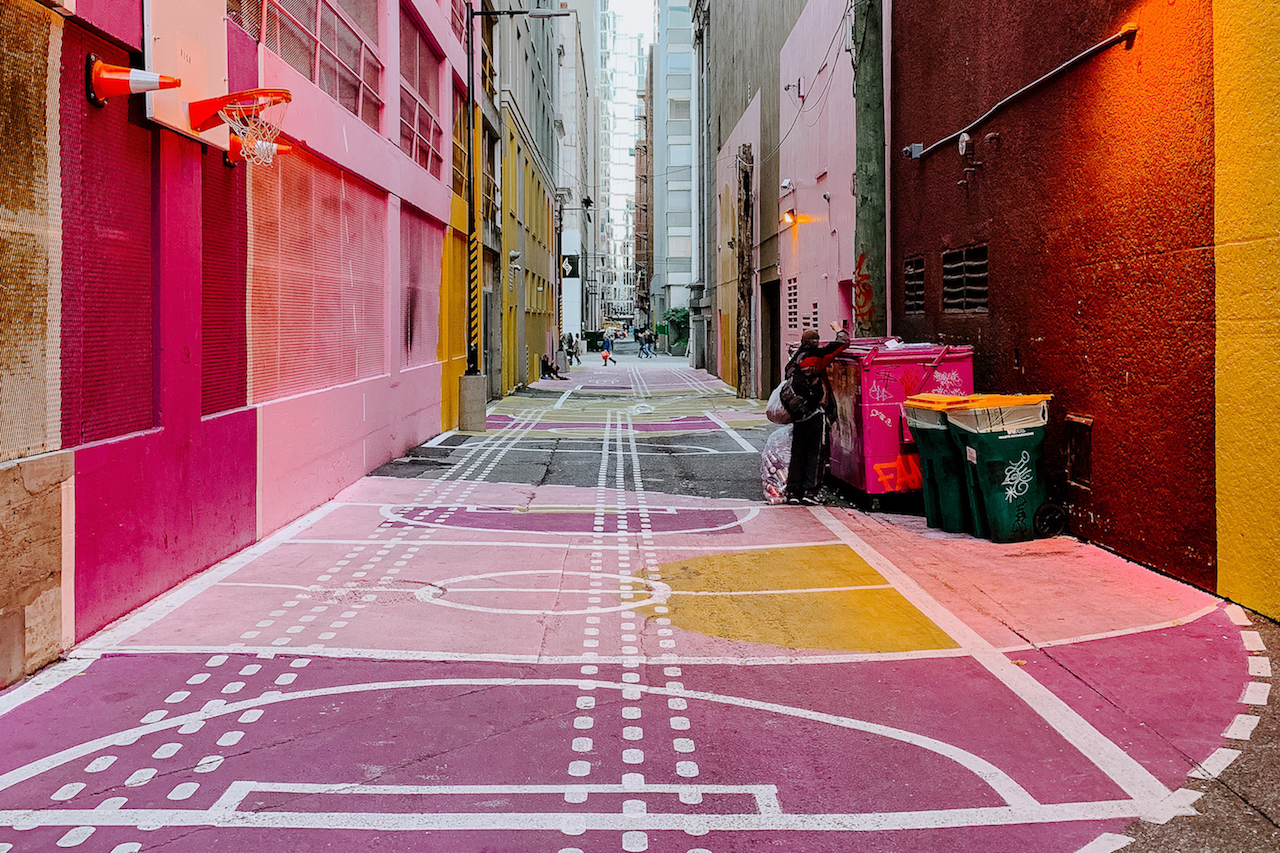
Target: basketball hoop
(253, 116)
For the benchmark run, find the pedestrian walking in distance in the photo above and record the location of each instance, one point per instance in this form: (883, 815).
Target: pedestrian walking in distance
(811, 407)
(606, 351)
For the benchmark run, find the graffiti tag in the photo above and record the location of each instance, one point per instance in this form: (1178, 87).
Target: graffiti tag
(885, 419)
(902, 474)
(947, 382)
(1017, 478)
(864, 307)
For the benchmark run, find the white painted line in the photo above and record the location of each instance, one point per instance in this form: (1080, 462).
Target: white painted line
(1134, 779)
(1176, 804)
(808, 591)
(440, 656)
(1014, 795)
(563, 398)
(1241, 727)
(1213, 765)
(152, 612)
(1107, 842)
(695, 824)
(1256, 693)
(1260, 667)
(1107, 635)
(1253, 641)
(46, 679)
(742, 442)
(1236, 614)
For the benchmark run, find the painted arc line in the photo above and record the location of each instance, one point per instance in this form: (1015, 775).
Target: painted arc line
(1107, 842)
(1213, 765)
(733, 433)
(744, 518)
(553, 821)
(1001, 783)
(635, 579)
(1134, 779)
(1119, 632)
(562, 546)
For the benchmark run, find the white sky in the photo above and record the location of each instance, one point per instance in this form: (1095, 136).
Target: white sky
(636, 16)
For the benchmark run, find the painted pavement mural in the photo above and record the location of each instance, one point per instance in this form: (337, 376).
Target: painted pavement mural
(533, 640)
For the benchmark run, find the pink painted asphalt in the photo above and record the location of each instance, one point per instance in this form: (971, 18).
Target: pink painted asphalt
(453, 665)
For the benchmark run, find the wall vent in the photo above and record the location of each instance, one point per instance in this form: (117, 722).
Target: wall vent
(964, 281)
(913, 285)
(793, 303)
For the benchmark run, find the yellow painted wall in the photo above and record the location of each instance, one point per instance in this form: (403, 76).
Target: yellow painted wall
(727, 290)
(452, 346)
(1247, 256)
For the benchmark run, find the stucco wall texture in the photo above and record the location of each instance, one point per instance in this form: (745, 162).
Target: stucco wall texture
(1095, 197)
(1247, 258)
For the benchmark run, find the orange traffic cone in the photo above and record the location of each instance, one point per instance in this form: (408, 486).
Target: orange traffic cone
(266, 150)
(102, 81)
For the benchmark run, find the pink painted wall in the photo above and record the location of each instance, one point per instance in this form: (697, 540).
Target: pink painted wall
(155, 507)
(818, 157)
(119, 19)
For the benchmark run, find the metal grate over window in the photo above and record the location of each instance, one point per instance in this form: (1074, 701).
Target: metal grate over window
(421, 136)
(964, 280)
(913, 285)
(334, 45)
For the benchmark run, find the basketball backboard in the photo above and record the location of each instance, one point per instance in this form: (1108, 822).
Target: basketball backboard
(186, 39)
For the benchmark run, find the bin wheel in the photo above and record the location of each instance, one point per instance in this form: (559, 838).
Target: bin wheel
(1050, 520)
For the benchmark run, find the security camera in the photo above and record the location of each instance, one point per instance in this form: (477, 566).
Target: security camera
(787, 185)
(913, 151)
(513, 256)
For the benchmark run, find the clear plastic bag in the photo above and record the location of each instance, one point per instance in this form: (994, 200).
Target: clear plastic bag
(775, 461)
(776, 412)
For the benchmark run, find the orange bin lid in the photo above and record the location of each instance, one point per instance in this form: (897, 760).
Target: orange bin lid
(937, 402)
(999, 401)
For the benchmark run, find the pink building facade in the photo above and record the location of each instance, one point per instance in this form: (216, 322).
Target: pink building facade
(194, 355)
(816, 162)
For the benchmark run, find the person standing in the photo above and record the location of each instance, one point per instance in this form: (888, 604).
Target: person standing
(810, 404)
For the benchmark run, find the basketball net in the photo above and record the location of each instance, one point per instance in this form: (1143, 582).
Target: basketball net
(256, 122)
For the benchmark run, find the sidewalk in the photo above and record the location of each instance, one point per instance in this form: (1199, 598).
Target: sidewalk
(582, 631)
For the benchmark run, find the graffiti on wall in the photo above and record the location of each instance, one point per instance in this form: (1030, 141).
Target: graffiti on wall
(864, 307)
(900, 475)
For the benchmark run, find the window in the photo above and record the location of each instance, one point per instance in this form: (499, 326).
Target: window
(679, 200)
(334, 45)
(459, 143)
(793, 303)
(679, 62)
(678, 109)
(913, 285)
(421, 136)
(680, 247)
(964, 281)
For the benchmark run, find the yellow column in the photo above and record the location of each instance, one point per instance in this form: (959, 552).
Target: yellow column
(1247, 256)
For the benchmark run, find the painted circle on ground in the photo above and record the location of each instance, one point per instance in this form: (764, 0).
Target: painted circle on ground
(657, 592)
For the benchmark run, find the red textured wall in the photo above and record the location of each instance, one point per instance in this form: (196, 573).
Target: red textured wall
(1096, 202)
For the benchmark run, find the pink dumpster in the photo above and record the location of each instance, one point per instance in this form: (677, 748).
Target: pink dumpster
(871, 446)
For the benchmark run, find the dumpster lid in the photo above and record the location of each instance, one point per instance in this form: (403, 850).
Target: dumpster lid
(936, 402)
(1000, 401)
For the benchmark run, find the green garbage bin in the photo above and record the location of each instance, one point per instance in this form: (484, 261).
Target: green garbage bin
(1001, 437)
(946, 497)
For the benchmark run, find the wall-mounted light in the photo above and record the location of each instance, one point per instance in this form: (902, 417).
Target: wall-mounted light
(789, 217)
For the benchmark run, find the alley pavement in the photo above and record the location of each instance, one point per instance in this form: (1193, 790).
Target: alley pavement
(584, 630)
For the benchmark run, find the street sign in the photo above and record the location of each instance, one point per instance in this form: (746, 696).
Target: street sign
(569, 266)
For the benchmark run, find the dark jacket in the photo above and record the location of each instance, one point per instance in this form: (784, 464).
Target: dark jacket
(807, 393)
